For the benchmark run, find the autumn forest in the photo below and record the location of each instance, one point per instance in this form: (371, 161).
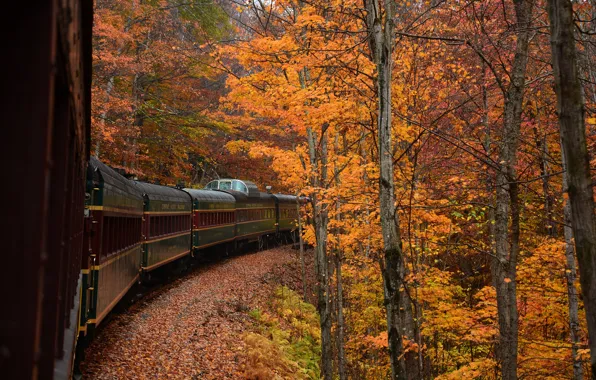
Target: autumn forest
(445, 148)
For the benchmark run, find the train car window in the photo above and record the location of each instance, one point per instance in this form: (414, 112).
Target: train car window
(112, 235)
(128, 230)
(115, 234)
(122, 232)
(239, 186)
(125, 231)
(225, 185)
(131, 228)
(119, 233)
(106, 236)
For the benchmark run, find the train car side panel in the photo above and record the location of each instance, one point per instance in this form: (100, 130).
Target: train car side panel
(45, 148)
(166, 225)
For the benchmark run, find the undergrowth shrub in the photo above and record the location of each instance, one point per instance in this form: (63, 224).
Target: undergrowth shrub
(287, 341)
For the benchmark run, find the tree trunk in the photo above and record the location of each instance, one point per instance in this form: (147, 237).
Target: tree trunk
(570, 107)
(341, 359)
(341, 355)
(381, 32)
(321, 221)
(571, 275)
(504, 265)
(301, 243)
(550, 227)
(103, 116)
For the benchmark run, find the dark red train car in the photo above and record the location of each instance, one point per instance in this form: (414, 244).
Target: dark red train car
(46, 81)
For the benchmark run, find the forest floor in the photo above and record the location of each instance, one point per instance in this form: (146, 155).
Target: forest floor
(193, 327)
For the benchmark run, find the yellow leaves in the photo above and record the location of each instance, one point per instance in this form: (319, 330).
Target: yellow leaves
(591, 120)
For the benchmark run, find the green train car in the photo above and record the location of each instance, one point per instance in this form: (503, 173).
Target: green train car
(166, 225)
(255, 211)
(286, 212)
(114, 244)
(214, 218)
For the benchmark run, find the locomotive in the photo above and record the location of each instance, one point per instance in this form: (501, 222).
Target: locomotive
(134, 228)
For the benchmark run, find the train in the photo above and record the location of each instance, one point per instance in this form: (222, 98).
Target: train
(78, 235)
(134, 228)
(45, 149)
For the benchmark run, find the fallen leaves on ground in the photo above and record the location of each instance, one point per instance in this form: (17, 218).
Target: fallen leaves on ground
(192, 328)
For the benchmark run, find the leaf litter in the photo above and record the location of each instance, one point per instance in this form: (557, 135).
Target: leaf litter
(192, 328)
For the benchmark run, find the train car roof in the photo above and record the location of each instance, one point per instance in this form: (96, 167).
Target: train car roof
(162, 193)
(284, 198)
(110, 176)
(242, 197)
(210, 196)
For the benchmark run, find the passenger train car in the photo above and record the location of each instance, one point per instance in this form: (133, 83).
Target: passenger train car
(46, 94)
(137, 227)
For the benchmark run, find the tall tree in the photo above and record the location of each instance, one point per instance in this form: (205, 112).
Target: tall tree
(381, 30)
(504, 265)
(570, 109)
